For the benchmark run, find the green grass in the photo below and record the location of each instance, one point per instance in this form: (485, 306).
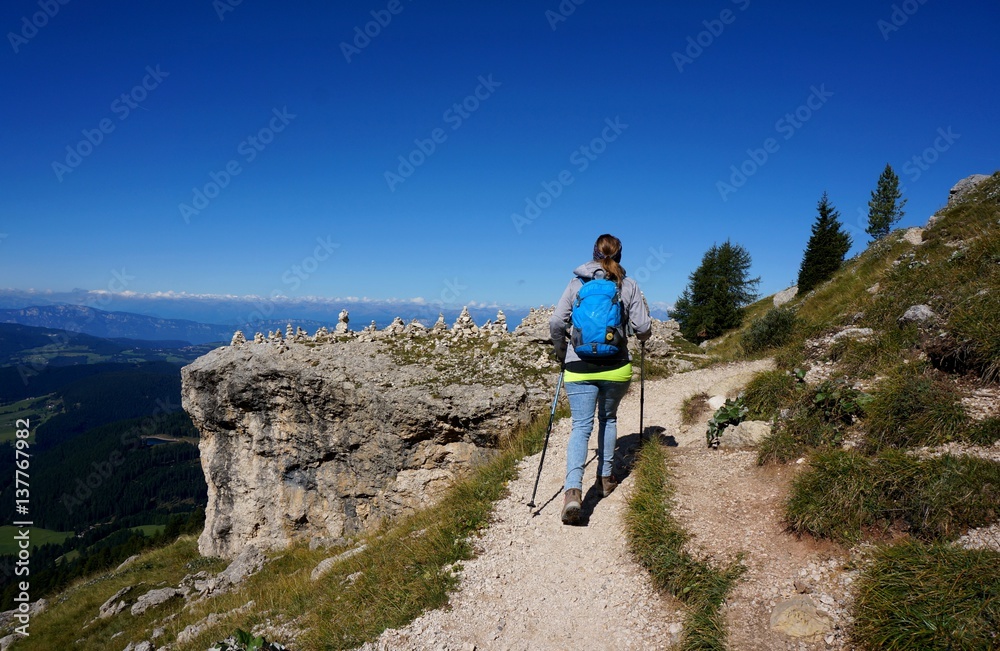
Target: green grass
(766, 393)
(38, 537)
(149, 530)
(847, 496)
(929, 597)
(657, 540)
(914, 407)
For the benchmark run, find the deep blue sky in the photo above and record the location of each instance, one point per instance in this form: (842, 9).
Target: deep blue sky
(446, 231)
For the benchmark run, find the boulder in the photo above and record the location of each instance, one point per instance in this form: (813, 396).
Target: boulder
(154, 598)
(919, 314)
(785, 295)
(964, 187)
(747, 434)
(115, 604)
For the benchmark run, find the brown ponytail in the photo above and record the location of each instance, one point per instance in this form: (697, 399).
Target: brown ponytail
(608, 251)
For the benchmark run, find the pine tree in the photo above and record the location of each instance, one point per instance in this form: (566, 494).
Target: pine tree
(826, 248)
(716, 293)
(883, 211)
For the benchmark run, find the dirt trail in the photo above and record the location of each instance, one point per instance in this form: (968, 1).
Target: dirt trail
(537, 584)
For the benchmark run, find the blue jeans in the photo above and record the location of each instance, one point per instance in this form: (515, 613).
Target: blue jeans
(584, 397)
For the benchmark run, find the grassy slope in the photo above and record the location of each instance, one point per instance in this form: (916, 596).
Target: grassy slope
(909, 596)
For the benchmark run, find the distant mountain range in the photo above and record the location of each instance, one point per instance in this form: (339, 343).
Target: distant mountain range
(213, 318)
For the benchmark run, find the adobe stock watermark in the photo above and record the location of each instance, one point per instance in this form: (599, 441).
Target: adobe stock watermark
(453, 117)
(786, 126)
(292, 279)
(562, 13)
(900, 15)
(697, 44)
(364, 34)
(655, 261)
(913, 169)
(580, 159)
(223, 7)
(122, 107)
(248, 149)
(30, 25)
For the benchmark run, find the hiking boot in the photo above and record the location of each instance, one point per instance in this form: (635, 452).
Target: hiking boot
(571, 506)
(608, 485)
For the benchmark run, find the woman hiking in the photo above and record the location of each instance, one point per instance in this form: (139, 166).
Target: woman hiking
(597, 373)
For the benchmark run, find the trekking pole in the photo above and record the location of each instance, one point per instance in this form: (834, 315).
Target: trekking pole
(552, 416)
(642, 386)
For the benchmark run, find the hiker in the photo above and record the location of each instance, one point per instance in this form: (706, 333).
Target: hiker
(597, 373)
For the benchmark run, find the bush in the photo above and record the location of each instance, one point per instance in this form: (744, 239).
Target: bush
(772, 330)
(916, 596)
(847, 496)
(766, 393)
(914, 408)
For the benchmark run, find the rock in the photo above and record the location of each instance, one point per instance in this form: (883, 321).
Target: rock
(799, 618)
(747, 434)
(914, 236)
(342, 320)
(248, 562)
(535, 326)
(919, 314)
(803, 586)
(115, 604)
(154, 598)
(875, 289)
(440, 325)
(853, 333)
(326, 564)
(785, 296)
(238, 339)
(964, 187)
(715, 402)
(326, 441)
(141, 646)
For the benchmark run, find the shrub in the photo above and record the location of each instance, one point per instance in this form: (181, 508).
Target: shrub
(838, 402)
(846, 496)
(731, 413)
(766, 393)
(772, 330)
(914, 408)
(916, 596)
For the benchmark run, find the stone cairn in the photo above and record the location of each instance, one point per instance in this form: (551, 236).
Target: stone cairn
(464, 327)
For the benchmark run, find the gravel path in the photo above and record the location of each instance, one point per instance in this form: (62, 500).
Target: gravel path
(536, 584)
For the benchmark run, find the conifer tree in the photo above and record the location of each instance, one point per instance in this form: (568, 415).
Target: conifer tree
(716, 293)
(826, 248)
(883, 209)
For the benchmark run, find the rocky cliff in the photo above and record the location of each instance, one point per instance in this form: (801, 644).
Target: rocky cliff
(318, 437)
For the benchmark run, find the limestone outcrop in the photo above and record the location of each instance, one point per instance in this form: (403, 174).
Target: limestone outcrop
(318, 438)
(309, 440)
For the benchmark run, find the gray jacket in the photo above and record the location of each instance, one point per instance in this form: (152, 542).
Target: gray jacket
(560, 324)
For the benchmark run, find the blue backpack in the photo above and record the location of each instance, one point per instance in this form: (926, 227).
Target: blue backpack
(598, 320)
